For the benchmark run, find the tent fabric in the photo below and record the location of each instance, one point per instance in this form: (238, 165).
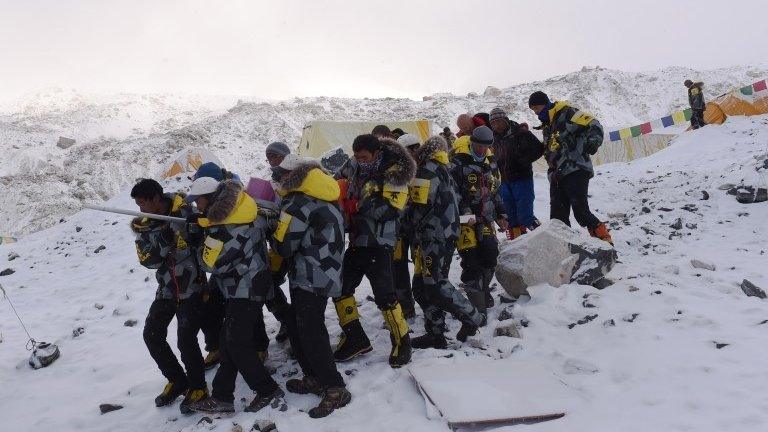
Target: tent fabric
(7, 240)
(319, 137)
(188, 160)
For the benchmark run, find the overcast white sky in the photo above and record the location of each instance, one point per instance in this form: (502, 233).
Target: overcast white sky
(285, 48)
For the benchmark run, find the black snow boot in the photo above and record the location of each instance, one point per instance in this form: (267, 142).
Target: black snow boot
(333, 398)
(466, 331)
(487, 278)
(429, 340)
(276, 400)
(398, 334)
(477, 298)
(212, 405)
(170, 392)
(305, 385)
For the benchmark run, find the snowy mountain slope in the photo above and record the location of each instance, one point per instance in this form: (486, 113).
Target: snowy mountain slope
(123, 137)
(657, 367)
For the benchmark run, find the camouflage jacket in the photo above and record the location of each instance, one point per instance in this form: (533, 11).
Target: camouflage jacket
(235, 247)
(477, 185)
(161, 245)
(381, 198)
(570, 137)
(310, 233)
(432, 214)
(696, 96)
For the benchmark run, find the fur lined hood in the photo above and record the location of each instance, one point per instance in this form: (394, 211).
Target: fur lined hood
(224, 201)
(430, 148)
(296, 177)
(398, 166)
(311, 179)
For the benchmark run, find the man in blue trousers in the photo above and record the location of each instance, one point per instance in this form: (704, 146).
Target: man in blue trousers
(515, 149)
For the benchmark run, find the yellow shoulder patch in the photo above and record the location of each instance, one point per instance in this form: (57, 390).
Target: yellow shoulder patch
(467, 238)
(419, 190)
(582, 118)
(396, 195)
(142, 256)
(211, 250)
(282, 226)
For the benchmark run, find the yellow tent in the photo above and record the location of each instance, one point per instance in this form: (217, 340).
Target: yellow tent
(188, 160)
(319, 137)
(746, 101)
(7, 240)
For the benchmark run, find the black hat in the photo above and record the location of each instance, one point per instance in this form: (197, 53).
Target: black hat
(538, 98)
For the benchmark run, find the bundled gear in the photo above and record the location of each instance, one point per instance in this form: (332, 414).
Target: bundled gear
(310, 238)
(432, 219)
(172, 251)
(570, 137)
(479, 200)
(375, 199)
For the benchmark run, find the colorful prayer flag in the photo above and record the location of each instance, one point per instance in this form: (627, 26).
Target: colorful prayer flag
(614, 136)
(635, 131)
(747, 91)
(759, 86)
(667, 121)
(646, 128)
(688, 114)
(625, 133)
(678, 117)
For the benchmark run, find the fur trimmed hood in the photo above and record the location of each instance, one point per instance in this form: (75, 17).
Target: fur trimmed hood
(311, 179)
(429, 149)
(296, 177)
(224, 201)
(397, 165)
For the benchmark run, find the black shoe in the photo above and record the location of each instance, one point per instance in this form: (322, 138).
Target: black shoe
(429, 341)
(333, 398)
(276, 400)
(354, 342)
(211, 359)
(170, 392)
(466, 331)
(191, 397)
(212, 405)
(305, 385)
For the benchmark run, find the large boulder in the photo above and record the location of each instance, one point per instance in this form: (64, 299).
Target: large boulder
(553, 254)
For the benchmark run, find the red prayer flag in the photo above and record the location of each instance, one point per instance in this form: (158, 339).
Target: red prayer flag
(759, 86)
(646, 128)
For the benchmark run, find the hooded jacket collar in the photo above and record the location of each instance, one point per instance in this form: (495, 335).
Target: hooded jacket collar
(310, 179)
(231, 205)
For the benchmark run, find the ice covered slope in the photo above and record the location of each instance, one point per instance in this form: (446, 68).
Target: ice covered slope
(121, 137)
(647, 360)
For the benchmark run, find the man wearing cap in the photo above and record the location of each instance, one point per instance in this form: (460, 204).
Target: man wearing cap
(310, 237)
(167, 248)
(480, 206)
(276, 152)
(515, 149)
(570, 137)
(432, 222)
(234, 251)
(696, 99)
(374, 202)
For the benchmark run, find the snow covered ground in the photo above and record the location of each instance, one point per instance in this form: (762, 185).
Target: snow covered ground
(652, 359)
(122, 137)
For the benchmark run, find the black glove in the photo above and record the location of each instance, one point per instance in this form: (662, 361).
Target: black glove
(193, 230)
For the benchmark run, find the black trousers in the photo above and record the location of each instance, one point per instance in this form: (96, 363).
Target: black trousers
(697, 118)
(375, 263)
(213, 316)
(279, 307)
(477, 259)
(402, 276)
(571, 192)
(188, 316)
(309, 337)
(238, 352)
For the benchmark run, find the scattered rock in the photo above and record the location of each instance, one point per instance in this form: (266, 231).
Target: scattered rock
(584, 320)
(657, 292)
(645, 210)
(603, 283)
(78, 229)
(677, 225)
(555, 254)
(720, 345)
(609, 323)
(204, 420)
(98, 306)
(691, 226)
(505, 314)
(704, 195)
(647, 230)
(492, 91)
(672, 269)
(130, 323)
(726, 186)
(78, 331)
(99, 249)
(12, 256)
(105, 408)
(702, 265)
(664, 209)
(8, 271)
(587, 302)
(690, 207)
(752, 290)
(630, 318)
(507, 330)
(264, 426)
(65, 143)
(617, 215)
(116, 312)
(237, 428)
(633, 288)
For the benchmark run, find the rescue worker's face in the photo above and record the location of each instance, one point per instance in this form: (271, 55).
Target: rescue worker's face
(274, 159)
(202, 203)
(479, 149)
(365, 157)
(150, 205)
(537, 108)
(498, 125)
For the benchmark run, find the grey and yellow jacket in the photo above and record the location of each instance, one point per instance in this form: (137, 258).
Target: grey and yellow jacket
(432, 214)
(381, 198)
(696, 96)
(570, 137)
(162, 246)
(477, 185)
(310, 233)
(235, 249)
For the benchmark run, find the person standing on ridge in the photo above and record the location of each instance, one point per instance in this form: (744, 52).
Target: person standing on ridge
(696, 100)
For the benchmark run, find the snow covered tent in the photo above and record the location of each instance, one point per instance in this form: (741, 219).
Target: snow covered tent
(319, 137)
(188, 160)
(7, 240)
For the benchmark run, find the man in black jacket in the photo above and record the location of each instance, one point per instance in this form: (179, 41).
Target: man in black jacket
(515, 149)
(696, 99)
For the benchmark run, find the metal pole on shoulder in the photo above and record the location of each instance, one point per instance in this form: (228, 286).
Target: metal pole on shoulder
(134, 213)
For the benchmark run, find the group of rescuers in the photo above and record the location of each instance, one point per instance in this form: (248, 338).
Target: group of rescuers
(394, 196)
